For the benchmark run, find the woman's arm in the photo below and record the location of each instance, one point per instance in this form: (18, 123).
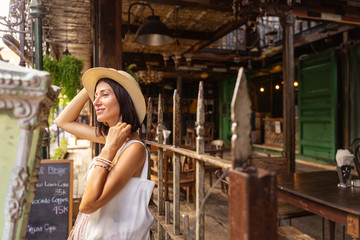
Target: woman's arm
(102, 185)
(67, 119)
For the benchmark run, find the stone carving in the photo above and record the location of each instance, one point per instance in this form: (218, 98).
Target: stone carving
(17, 192)
(24, 110)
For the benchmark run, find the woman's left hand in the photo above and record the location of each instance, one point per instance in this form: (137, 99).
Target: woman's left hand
(115, 139)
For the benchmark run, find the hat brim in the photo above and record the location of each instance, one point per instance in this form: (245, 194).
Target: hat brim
(93, 75)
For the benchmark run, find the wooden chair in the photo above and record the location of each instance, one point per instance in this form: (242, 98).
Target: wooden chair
(190, 136)
(216, 149)
(208, 132)
(187, 174)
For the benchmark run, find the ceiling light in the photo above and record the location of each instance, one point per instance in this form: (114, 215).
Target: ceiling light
(204, 75)
(296, 84)
(153, 32)
(262, 89)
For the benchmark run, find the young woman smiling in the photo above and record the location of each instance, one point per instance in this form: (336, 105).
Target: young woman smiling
(117, 193)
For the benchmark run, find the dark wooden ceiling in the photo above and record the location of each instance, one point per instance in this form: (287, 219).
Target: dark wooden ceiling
(194, 24)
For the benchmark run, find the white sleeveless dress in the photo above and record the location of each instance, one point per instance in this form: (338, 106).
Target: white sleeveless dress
(126, 216)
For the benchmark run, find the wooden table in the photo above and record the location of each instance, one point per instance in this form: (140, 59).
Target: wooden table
(318, 193)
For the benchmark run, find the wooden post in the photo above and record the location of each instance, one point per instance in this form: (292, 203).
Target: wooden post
(252, 205)
(161, 210)
(288, 22)
(167, 217)
(149, 116)
(160, 158)
(110, 34)
(200, 166)
(179, 84)
(176, 119)
(176, 164)
(241, 124)
(252, 193)
(186, 227)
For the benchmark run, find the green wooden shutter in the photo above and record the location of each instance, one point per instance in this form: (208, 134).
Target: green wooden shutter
(226, 93)
(317, 106)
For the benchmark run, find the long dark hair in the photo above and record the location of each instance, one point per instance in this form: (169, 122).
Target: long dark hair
(127, 108)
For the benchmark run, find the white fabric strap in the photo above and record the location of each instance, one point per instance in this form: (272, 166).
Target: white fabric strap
(145, 167)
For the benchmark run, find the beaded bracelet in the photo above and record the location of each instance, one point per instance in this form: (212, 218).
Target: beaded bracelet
(100, 160)
(102, 167)
(103, 159)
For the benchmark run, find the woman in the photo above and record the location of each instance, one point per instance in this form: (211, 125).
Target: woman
(117, 193)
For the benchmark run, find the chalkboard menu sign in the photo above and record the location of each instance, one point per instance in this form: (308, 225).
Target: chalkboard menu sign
(51, 211)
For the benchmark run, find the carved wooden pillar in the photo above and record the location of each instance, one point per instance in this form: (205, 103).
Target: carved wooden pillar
(252, 192)
(25, 96)
(241, 125)
(176, 164)
(161, 204)
(200, 166)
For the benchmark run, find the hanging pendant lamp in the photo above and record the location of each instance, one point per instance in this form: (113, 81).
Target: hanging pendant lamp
(153, 32)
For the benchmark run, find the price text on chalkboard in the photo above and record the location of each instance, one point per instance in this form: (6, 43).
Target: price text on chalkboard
(51, 210)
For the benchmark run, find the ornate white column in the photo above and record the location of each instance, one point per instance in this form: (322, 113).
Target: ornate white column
(26, 96)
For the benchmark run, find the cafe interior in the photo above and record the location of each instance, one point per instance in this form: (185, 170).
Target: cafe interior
(300, 60)
(209, 41)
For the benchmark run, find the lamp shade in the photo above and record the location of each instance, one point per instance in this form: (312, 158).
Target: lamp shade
(153, 33)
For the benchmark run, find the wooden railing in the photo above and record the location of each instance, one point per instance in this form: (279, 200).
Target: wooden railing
(246, 185)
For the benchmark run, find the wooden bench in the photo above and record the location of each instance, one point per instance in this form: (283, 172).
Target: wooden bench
(287, 211)
(289, 232)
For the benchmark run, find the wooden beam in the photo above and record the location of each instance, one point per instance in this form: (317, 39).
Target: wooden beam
(183, 34)
(224, 5)
(223, 30)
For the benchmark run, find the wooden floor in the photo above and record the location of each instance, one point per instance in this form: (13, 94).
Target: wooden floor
(216, 212)
(216, 218)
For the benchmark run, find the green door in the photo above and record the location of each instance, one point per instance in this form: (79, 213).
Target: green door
(226, 94)
(317, 106)
(355, 90)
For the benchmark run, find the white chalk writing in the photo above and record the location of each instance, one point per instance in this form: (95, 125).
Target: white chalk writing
(56, 171)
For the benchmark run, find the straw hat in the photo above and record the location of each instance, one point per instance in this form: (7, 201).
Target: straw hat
(91, 77)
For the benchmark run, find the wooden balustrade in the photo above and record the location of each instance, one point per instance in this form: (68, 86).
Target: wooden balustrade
(246, 221)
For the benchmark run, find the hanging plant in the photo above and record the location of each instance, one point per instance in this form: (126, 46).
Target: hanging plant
(70, 72)
(66, 74)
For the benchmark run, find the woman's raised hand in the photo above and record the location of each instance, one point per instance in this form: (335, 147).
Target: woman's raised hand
(117, 136)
